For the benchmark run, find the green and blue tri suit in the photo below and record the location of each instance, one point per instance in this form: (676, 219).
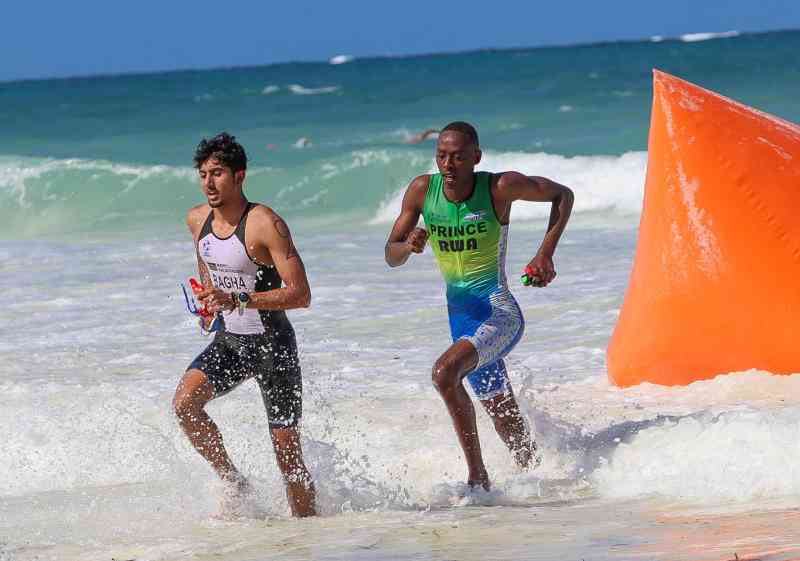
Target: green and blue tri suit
(470, 246)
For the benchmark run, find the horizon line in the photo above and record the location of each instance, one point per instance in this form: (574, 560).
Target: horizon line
(179, 70)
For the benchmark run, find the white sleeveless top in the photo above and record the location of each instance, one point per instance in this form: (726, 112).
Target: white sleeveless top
(233, 270)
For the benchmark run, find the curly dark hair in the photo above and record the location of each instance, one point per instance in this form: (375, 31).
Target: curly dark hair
(223, 148)
(464, 128)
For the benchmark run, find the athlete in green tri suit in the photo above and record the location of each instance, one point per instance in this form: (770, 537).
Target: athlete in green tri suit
(466, 220)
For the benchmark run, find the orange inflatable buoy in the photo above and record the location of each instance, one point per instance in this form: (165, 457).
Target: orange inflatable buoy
(715, 285)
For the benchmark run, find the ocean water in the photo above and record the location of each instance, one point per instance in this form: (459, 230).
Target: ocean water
(95, 180)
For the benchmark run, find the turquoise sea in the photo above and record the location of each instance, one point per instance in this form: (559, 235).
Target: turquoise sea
(95, 181)
(84, 154)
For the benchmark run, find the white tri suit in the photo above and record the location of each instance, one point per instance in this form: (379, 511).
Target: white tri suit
(256, 344)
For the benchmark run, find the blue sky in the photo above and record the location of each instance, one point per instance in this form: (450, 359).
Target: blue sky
(44, 39)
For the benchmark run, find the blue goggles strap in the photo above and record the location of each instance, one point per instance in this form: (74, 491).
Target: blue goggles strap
(191, 304)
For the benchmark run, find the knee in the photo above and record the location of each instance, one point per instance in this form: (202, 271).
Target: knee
(445, 376)
(187, 406)
(192, 394)
(182, 407)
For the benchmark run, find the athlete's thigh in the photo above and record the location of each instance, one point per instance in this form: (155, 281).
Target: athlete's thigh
(498, 335)
(281, 383)
(193, 387)
(225, 362)
(493, 339)
(461, 357)
(490, 380)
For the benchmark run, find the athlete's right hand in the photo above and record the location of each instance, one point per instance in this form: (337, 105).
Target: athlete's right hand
(416, 240)
(216, 300)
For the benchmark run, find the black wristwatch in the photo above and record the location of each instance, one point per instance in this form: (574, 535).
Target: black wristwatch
(241, 300)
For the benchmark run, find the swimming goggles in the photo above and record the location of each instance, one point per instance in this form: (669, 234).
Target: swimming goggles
(202, 313)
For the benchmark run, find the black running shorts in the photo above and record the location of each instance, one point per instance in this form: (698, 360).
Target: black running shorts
(271, 359)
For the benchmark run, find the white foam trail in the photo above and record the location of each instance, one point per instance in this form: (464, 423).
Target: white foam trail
(600, 183)
(341, 59)
(270, 89)
(694, 37)
(301, 90)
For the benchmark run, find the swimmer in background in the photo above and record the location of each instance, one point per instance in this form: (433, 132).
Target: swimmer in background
(422, 136)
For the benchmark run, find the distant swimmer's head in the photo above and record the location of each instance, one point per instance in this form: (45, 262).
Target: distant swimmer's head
(221, 163)
(457, 153)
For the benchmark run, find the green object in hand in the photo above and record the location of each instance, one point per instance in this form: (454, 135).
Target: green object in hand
(529, 276)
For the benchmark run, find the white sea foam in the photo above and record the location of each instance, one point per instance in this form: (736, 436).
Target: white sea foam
(49, 196)
(694, 37)
(737, 455)
(357, 159)
(341, 59)
(18, 173)
(601, 183)
(733, 438)
(302, 90)
(730, 438)
(271, 89)
(90, 437)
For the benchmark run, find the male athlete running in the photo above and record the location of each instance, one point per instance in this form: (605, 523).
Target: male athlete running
(244, 251)
(466, 218)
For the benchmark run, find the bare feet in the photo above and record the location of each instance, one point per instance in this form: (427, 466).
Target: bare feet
(237, 499)
(479, 480)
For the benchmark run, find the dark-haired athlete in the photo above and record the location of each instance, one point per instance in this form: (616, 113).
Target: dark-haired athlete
(244, 252)
(466, 218)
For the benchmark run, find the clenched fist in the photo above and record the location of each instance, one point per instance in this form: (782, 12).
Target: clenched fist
(416, 239)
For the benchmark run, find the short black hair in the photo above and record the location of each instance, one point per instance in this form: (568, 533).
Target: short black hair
(465, 129)
(223, 148)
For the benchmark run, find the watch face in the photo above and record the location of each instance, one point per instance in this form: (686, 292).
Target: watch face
(244, 297)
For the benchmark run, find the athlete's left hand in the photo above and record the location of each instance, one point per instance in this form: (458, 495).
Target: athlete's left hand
(216, 300)
(543, 268)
